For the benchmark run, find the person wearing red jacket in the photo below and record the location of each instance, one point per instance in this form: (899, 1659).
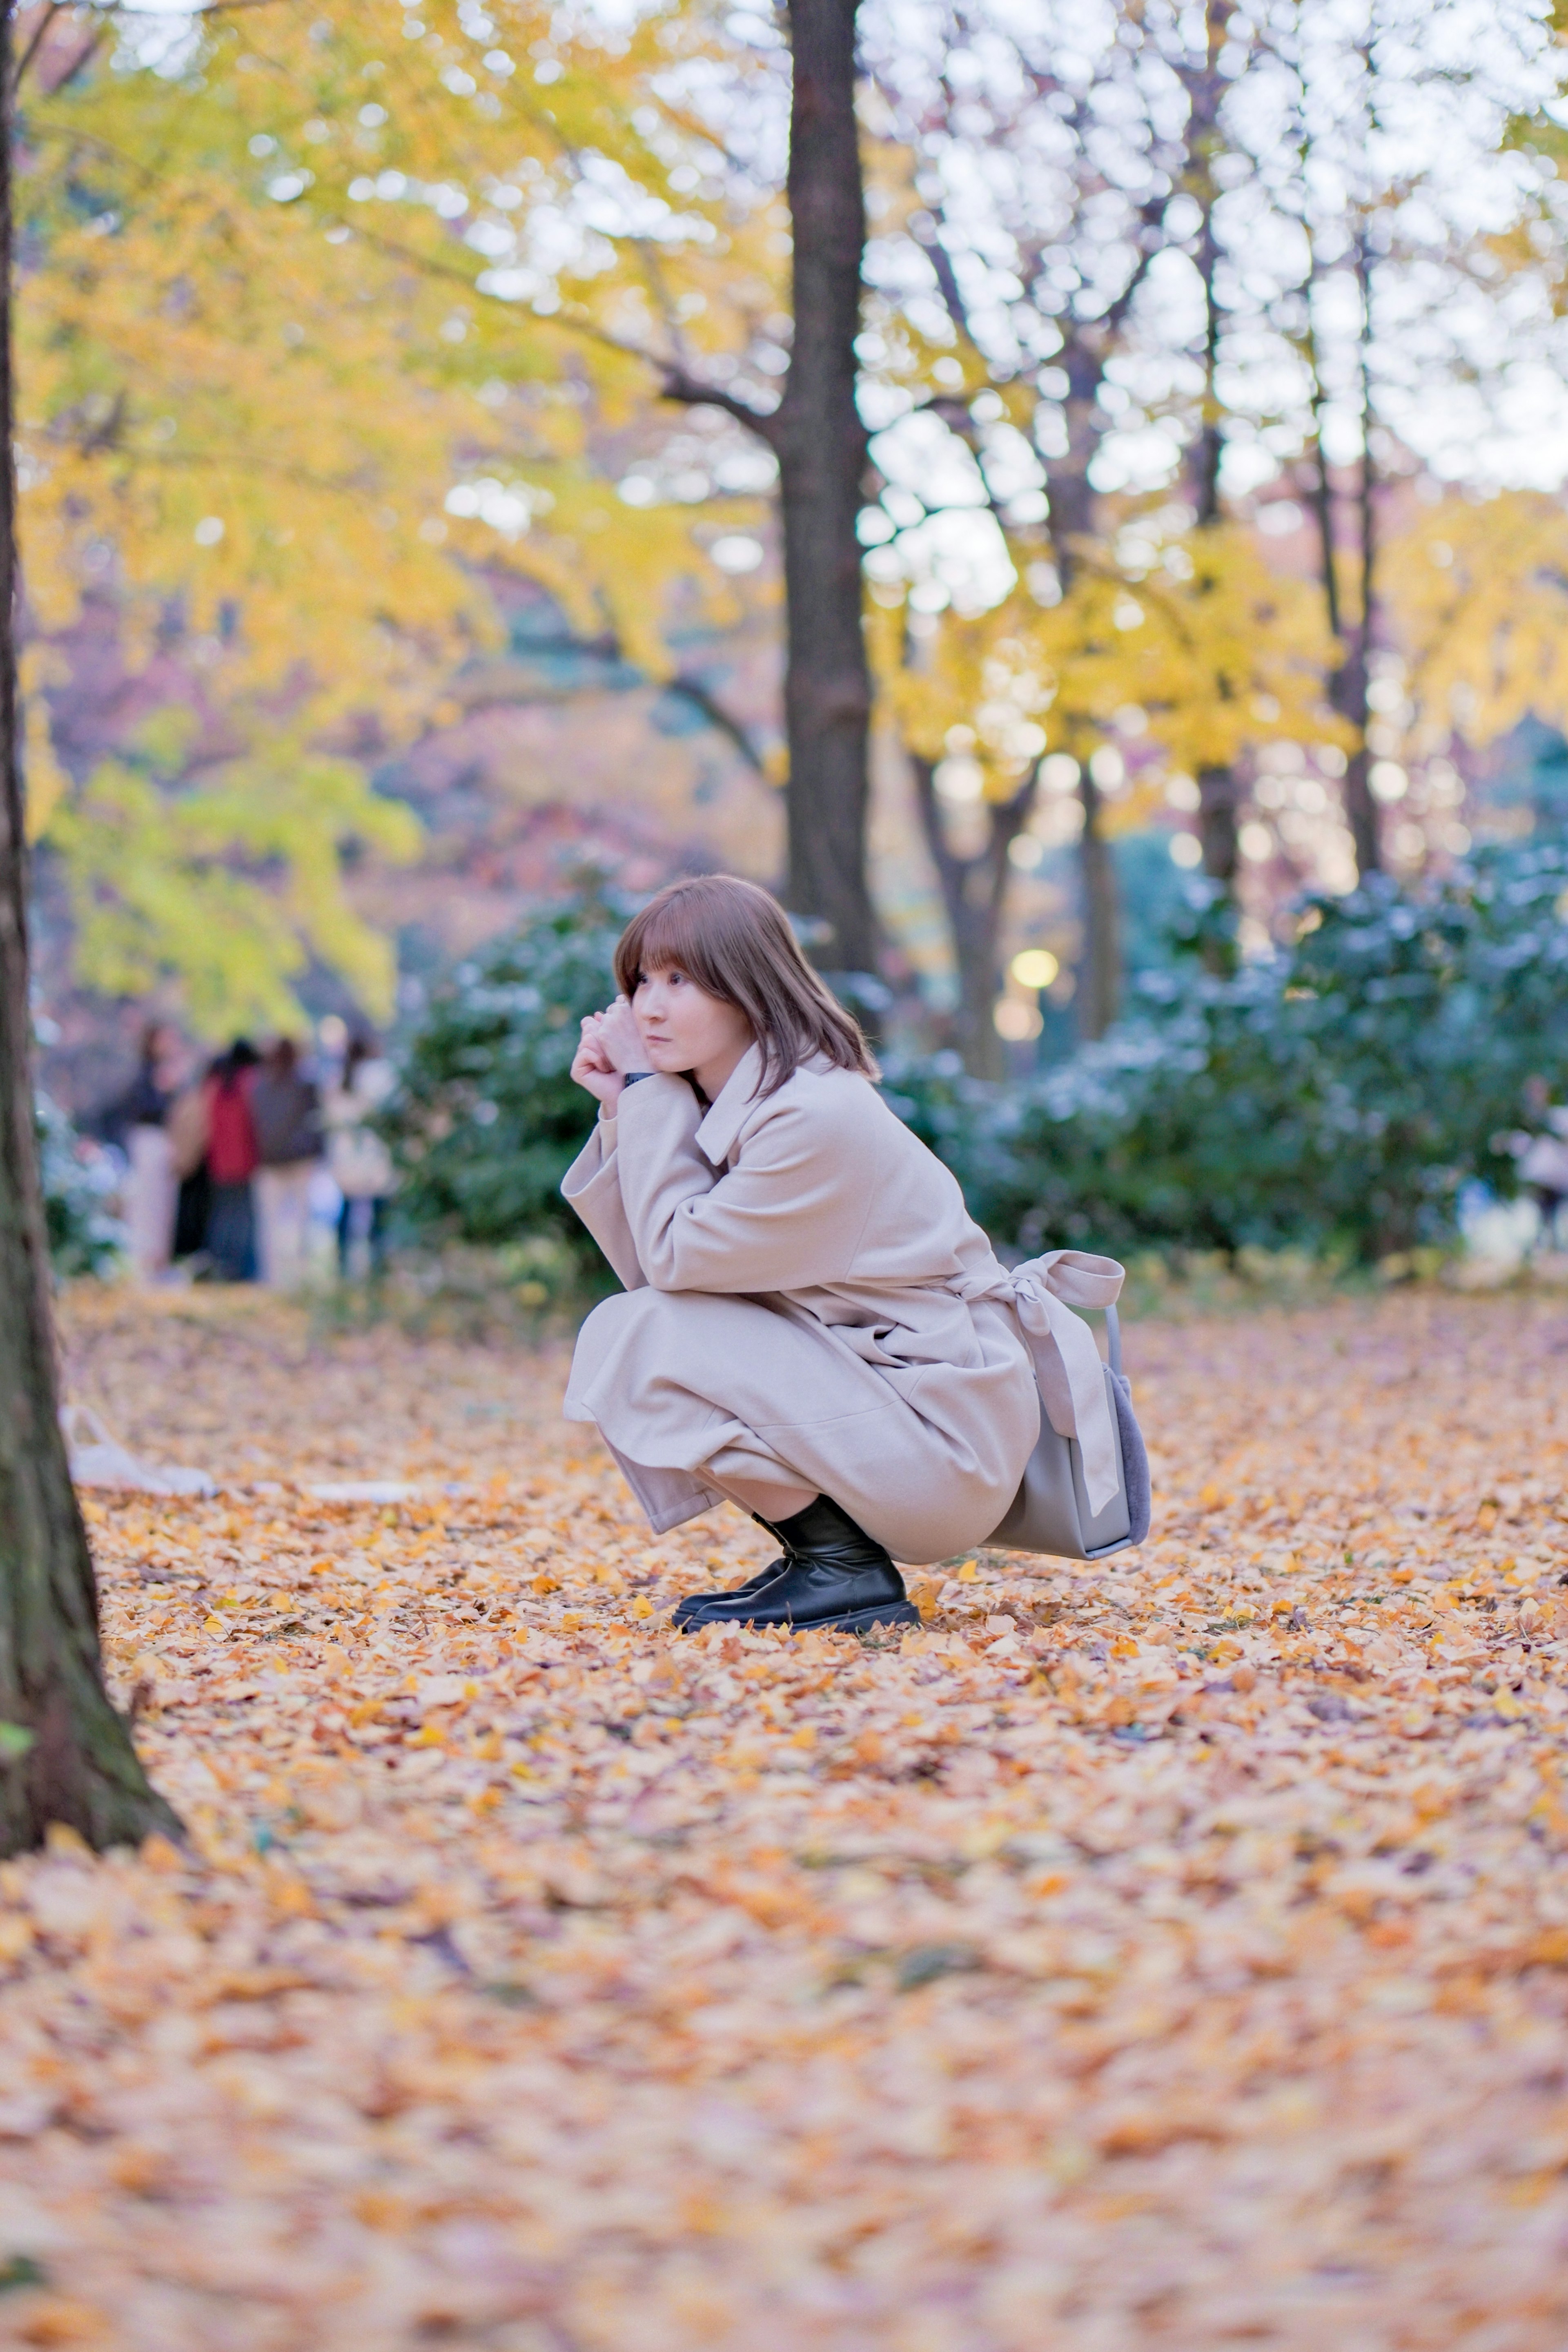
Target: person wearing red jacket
(233, 1158)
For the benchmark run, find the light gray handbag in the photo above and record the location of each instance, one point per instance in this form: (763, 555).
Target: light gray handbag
(1051, 1512)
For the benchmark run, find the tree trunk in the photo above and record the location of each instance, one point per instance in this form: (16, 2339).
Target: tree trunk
(820, 441)
(1100, 985)
(1360, 808)
(974, 893)
(1072, 504)
(1219, 835)
(1218, 828)
(1217, 791)
(65, 1754)
(1349, 682)
(821, 449)
(1210, 447)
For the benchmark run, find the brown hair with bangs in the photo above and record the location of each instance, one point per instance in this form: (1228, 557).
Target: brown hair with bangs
(733, 941)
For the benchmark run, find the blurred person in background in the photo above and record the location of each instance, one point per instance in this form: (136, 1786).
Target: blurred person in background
(187, 1125)
(285, 1112)
(138, 1121)
(232, 1161)
(359, 1162)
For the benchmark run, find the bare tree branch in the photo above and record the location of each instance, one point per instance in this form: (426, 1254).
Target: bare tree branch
(71, 136)
(607, 648)
(109, 9)
(725, 722)
(40, 34)
(679, 385)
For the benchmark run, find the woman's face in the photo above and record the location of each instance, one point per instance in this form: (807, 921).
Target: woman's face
(684, 1028)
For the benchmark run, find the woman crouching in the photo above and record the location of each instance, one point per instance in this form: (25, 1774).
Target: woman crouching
(800, 1332)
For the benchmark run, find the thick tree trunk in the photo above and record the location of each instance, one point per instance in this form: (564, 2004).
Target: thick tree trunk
(1219, 838)
(974, 895)
(1100, 981)
(1218, 790)
(65, 1754)
(1360, 807)
(821, 449)
(820, 441)
(1218, 832)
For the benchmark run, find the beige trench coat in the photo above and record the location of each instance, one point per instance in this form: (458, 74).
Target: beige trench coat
(792, 1311)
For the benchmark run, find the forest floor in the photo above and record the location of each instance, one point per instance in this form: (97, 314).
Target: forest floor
(1166, 1953)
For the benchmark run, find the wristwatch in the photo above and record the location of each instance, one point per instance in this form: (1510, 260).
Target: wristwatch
(630, 1078)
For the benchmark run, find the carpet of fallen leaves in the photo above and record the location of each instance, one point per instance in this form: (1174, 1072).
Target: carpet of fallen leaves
(1171, 1952)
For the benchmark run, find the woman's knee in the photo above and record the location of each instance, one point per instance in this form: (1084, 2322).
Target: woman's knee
(615, 1318)
(618, 1325)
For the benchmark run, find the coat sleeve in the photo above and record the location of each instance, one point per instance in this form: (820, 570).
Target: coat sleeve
(787, 1216)
(592, 1186)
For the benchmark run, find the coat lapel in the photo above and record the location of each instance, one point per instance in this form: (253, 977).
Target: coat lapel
(716, 1136)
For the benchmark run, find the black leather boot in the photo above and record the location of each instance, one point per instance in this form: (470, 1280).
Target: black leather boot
(835, 1578)
(687, 1608)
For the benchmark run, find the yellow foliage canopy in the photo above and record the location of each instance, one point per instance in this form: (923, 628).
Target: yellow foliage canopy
(319, 322)
(1217, 652)
(149, 865)
(1480, 592)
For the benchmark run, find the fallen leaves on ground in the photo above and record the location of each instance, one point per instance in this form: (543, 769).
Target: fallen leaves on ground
(1166, 1952)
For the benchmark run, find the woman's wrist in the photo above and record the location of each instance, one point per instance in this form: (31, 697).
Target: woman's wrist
(609, 1101)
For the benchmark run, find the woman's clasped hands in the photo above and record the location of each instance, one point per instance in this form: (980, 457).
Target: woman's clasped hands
(611, 1045)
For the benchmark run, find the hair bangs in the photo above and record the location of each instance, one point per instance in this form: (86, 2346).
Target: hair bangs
(668, 935)
(733, 939)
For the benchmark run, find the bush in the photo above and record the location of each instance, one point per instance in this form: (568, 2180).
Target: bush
(1336, 1097)
(78, 1181)
(487, 1122)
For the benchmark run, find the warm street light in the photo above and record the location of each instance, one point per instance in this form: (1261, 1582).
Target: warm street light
(1034, 968)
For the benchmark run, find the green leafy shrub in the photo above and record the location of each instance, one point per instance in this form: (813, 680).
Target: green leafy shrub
(78, 1182)
(486, 1120)
(1338, 1097)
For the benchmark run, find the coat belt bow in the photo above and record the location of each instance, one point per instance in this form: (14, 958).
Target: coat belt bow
(1067, 1365)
